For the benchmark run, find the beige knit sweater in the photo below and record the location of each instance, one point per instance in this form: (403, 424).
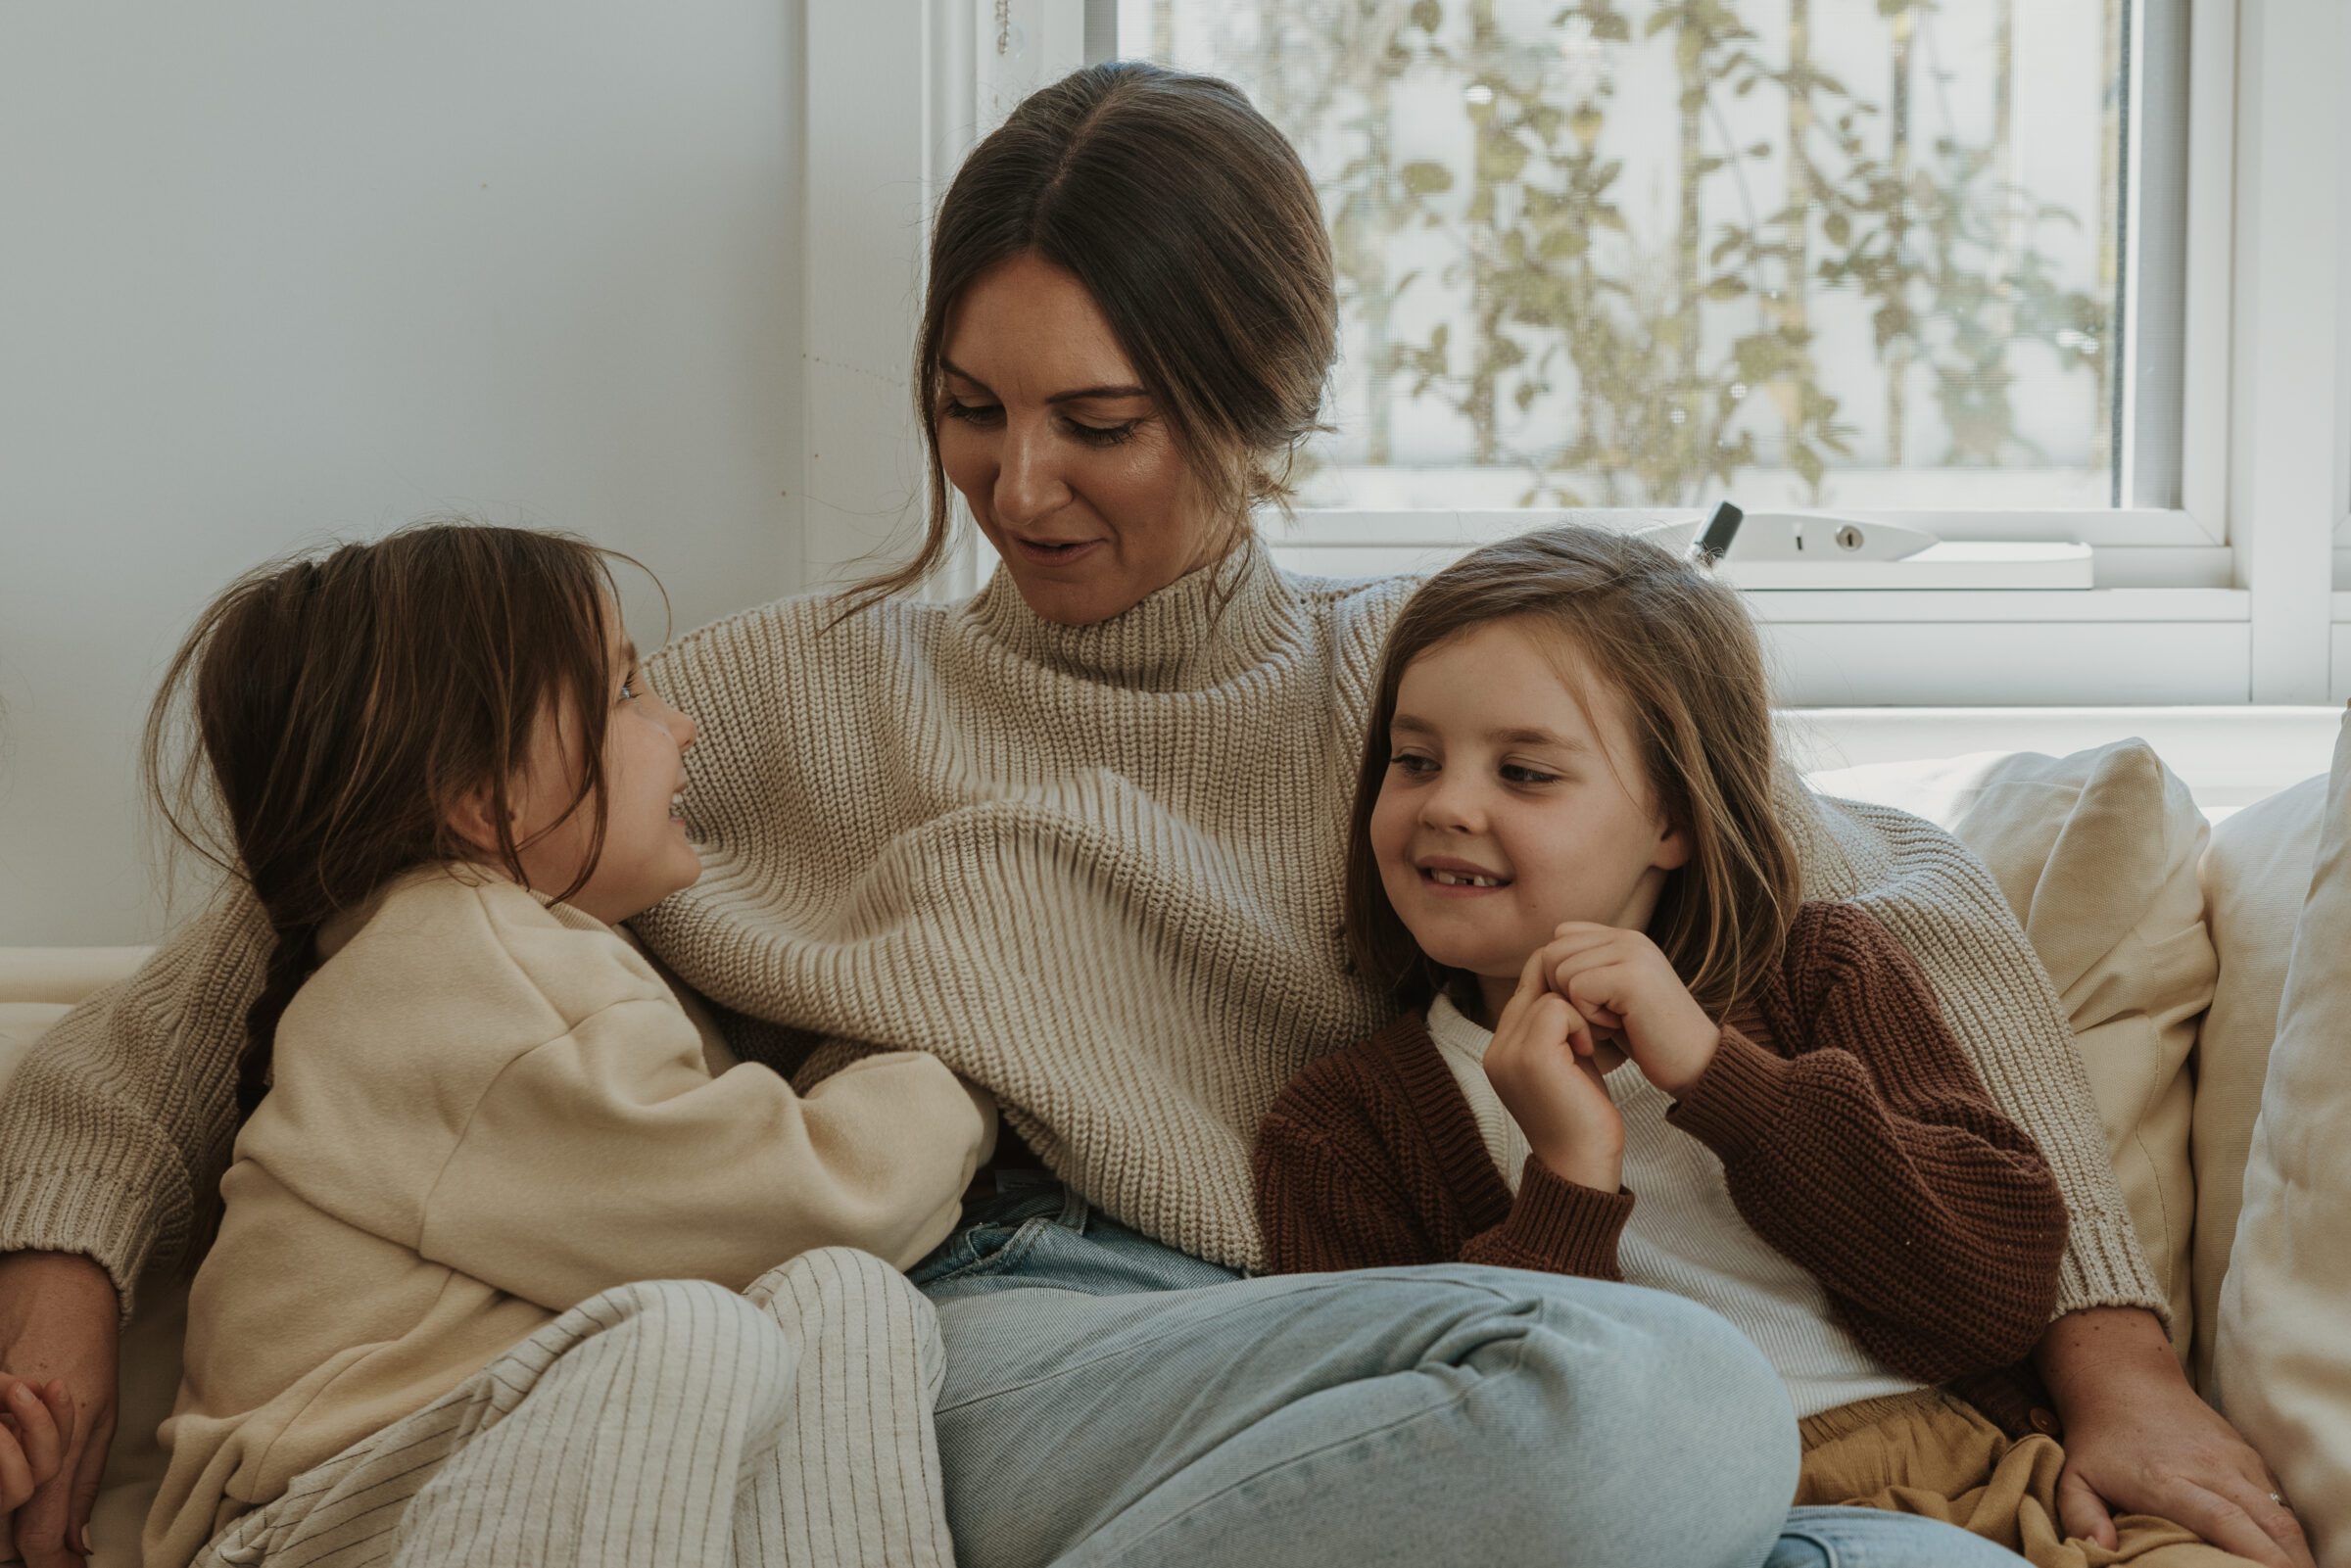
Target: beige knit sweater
(1095, 870)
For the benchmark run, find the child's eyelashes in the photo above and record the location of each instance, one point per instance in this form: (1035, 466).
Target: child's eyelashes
(1415, 765)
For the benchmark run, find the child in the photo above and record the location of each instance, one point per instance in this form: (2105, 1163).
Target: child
(474, 1294)
(1563, 857)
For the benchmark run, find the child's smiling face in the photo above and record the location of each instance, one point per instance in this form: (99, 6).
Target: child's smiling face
(645, 855)
(1509, 806)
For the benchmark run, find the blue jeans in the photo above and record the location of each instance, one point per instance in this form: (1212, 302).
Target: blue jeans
(1112, 1401)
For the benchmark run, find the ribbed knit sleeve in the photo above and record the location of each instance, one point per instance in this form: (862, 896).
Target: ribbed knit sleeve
(1369, 1159)
(114, 1131)
(1942, 905)
(1555, 1226)
(1870, 1154)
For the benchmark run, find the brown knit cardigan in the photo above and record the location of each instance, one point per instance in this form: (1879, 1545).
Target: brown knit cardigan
(1854, 1137)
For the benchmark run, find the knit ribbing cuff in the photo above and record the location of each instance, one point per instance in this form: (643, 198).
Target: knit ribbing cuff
(93, 1212)
(1564, 1226)
(1738, 1100)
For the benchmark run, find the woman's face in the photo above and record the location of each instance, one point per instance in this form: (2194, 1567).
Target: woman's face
(1064, 459)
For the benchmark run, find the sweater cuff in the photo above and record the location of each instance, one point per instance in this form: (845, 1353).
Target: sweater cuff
(75, 1208)
(1738, 1100)
(1567, 1226)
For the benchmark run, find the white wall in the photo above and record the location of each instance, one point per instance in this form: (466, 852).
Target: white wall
(273, 270)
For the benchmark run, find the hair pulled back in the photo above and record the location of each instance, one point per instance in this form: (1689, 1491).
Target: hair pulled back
(1190, 221)
(327, 710)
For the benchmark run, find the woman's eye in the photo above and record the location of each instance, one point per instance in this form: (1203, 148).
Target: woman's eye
(1527, 776)
(628, 689)
(976, 414)
(1103, 435)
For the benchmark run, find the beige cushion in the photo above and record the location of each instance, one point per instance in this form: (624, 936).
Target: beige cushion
(2282, 1360)
(2097, 855)
(37, 987)
(2256, 875)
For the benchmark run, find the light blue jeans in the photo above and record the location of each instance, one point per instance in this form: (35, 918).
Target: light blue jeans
(1112, 1401)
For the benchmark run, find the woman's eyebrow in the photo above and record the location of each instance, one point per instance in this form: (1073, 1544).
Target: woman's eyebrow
(1098, 391)
(960, 373)
(1104, 391)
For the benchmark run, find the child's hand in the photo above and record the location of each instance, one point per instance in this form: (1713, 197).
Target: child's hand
(36, 1426)
(1617, 980)
(1540, 1063)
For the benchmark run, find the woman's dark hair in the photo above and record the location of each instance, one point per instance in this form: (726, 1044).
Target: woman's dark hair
(1192, 224)
(1677, 647)
(326, 711)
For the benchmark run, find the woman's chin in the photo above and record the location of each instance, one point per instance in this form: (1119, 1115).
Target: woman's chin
(1073, 603)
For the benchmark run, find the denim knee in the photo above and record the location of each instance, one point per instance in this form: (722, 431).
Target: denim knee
(1642, 1421)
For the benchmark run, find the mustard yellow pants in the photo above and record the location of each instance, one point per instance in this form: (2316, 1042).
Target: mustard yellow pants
(1935, 1456)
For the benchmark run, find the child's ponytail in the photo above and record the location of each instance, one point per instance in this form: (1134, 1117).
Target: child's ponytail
(326, 713)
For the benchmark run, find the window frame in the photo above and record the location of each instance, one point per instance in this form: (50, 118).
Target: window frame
(2226, 598)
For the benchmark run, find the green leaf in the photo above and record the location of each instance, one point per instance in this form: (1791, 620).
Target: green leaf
(1501, 158)
(1839, 228)
(1427, 179)
(1726, 287)
(1428, 14)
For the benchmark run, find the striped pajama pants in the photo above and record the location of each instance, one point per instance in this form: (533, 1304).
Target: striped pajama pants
(669, 1421)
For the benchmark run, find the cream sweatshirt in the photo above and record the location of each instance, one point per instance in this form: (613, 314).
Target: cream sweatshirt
(485, 1108)
(1095, 869)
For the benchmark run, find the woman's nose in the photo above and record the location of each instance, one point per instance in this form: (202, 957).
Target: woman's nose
(681, 726)
(1029, 484)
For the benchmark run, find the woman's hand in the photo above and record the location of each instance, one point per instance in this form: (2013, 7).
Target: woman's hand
(2138, 1440)
(1540, 1063)
(1619, 981)
(58, 1315)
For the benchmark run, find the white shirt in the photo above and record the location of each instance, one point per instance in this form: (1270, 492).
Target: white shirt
(1685, 1234)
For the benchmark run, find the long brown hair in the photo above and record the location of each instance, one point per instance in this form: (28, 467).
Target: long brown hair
(327, 710)
(1194, 226)
(1677, 646)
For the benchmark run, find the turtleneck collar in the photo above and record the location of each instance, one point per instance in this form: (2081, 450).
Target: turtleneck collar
(1207, 627)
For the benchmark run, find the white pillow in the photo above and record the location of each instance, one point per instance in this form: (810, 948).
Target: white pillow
(2256, 875)
(2281, 1366)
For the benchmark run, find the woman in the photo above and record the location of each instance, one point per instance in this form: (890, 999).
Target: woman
(1081, 838)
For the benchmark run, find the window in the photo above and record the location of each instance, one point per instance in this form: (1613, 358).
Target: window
(2123, 280)
(1852, 254)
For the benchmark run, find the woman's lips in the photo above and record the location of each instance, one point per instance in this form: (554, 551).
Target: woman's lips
(1046, 553)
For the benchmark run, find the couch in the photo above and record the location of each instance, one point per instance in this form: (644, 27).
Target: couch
(2167, 939)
